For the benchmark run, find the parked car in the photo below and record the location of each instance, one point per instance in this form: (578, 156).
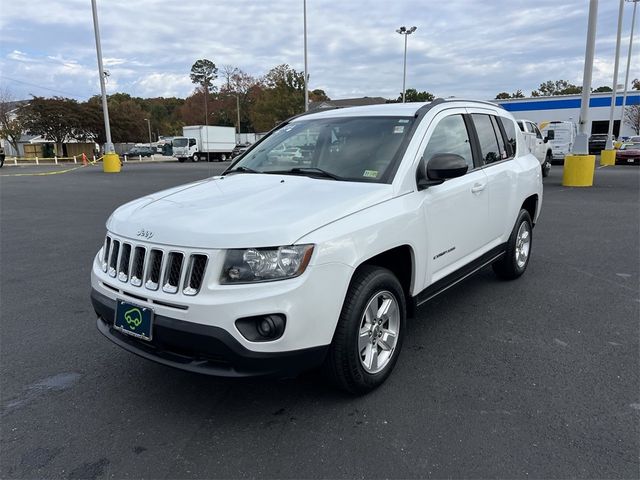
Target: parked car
(538, 144)
(240, 149)
(597, 143)
(628, 153)
(1, 157)
(273, 268)
(140, 152)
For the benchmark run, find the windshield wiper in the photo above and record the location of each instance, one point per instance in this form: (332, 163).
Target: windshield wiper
(312, 171)
(242, 169)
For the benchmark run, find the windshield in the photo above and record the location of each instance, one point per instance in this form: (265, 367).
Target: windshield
(630, 146)
(357, 148)
(180, 142)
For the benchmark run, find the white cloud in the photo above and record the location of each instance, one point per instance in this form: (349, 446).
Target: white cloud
(461, 47)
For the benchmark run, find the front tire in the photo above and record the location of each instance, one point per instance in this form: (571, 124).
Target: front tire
(516, 258)
(195, 157)
(369, 334)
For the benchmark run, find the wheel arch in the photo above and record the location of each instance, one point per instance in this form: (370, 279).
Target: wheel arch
(400, 261)
(530, 204)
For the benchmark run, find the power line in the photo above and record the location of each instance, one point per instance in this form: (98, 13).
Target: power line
(4, 77)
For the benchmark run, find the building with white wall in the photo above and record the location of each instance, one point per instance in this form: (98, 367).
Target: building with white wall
(567, 108)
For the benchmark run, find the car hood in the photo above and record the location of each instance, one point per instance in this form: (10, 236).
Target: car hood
(243, 210)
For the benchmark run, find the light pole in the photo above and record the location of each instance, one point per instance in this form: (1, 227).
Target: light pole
(626, 78)
(579, 166)
(149, 125)
(238, 111)
(609, 145)
(111, 161)
(306, 74)
(406, 32)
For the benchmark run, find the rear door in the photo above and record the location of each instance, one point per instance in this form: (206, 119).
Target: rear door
(495, 137)
(456, 212)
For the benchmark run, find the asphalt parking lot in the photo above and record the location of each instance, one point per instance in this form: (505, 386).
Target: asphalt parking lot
(536, 378)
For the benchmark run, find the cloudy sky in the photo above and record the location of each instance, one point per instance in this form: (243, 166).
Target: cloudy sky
(462, 47)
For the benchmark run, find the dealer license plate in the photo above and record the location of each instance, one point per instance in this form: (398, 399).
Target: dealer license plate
(134, 320)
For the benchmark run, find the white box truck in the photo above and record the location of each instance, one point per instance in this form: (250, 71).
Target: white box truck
(201, 142)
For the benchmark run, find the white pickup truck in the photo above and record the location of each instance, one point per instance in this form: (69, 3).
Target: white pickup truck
(537, 144)
(286, 263)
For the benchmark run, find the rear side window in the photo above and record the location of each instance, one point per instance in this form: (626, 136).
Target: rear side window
(510, 132)
(488, 139)
(450, 136)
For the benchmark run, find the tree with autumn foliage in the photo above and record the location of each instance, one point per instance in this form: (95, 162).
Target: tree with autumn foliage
(281, 97)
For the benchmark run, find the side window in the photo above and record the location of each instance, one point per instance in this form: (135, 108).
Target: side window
(192, 142)
(450, 136)
(510, 132)
(521, 125)
(496, 128)
(490, 151)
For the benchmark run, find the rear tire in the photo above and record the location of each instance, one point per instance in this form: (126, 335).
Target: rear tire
(370, 330)
(546, 166)
(516, 258)
(223, 157)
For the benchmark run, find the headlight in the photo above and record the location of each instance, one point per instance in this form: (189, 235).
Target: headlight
(265, 264)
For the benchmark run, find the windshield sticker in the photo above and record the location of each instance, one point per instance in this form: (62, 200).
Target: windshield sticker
(370, 173)
(398, 129)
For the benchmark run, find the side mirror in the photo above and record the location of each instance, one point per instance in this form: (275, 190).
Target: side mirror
(551, 135)
(439, 168)
(546, 139)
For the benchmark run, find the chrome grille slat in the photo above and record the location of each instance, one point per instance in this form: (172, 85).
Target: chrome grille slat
(195, 274)
(154, 269)
(113, 258)
(150, 267)
(105, 253)
(124, 264)
(137, 266)
(172, 272)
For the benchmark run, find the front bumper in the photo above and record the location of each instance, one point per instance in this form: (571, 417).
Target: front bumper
(203, 348)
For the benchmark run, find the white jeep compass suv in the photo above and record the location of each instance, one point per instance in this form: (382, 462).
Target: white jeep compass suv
(286, 263)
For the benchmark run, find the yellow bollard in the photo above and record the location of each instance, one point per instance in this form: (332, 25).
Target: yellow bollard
(578, 170)
(111, 163)
(608, 157)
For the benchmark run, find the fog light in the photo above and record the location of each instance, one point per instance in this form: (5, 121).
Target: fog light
(266, 327)
(263, 328)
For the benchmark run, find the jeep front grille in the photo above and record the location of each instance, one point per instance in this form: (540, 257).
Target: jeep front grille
(150, 268)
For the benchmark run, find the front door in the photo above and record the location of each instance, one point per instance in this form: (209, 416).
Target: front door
(456, 212)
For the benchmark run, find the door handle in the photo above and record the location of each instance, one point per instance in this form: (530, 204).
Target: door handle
(478, 187)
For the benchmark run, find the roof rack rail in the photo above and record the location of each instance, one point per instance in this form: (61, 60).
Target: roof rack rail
(460, 99)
